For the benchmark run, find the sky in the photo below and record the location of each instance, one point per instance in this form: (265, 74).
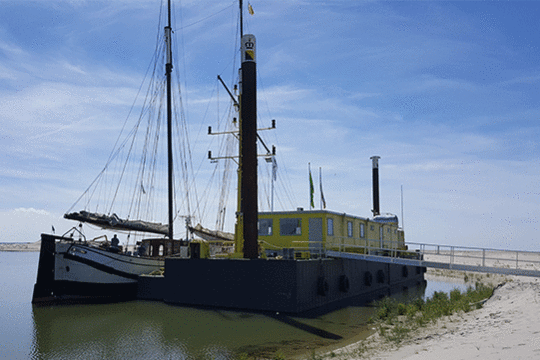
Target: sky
(446, 93)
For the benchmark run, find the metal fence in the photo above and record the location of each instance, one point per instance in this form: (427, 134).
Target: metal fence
(466, 258)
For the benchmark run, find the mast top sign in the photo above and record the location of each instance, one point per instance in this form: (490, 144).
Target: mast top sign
(248, 48)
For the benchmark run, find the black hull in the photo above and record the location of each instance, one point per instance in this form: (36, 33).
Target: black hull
(49, 290)
(288, 286)
(285, 286)
(71, 292)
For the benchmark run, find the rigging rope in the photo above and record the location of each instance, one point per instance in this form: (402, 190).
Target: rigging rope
(143, 174)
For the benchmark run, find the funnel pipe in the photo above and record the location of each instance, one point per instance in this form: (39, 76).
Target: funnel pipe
(375, 165)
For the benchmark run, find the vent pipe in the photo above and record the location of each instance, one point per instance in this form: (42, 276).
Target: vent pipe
(375, 165)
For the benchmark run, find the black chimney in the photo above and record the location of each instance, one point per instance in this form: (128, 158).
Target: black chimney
(375, 162)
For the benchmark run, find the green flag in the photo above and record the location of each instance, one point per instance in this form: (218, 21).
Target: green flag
(323, 202)
(311, 190)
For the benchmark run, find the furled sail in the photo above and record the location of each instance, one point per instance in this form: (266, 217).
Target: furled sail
(115, 223)
(211, 235)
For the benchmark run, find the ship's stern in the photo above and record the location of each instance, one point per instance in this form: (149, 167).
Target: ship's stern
(44, 287)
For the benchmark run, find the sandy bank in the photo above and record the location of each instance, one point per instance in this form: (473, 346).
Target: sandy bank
(35, 246)
(506, 327)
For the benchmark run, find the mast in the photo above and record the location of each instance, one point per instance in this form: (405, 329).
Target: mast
(168, 70)
(248, 154)
(240, 2)
(239, 227)
(248, 143)
(246, 227)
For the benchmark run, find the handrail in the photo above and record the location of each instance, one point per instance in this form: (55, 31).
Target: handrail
(450, 254)
(77, 230)
(467, 258)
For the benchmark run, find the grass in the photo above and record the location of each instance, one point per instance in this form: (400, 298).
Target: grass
(470, 277)
(395, 320)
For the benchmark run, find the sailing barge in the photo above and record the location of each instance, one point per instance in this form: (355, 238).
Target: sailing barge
(279, 262)
(293, 275)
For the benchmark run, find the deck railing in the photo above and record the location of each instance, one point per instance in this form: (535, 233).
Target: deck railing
(464, 258)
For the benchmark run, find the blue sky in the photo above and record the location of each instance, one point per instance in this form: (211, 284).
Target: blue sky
(447, 93)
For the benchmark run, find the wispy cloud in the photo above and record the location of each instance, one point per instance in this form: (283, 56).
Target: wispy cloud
(446, 93)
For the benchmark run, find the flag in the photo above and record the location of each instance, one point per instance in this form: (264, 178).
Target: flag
(322, 195)
(311, 190)
(250, 9)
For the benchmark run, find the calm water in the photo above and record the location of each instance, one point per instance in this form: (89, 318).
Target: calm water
(153, 330)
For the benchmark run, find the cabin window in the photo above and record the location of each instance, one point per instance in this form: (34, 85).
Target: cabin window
(265, 227)
(362, 231)
(161, 250)
(371, 227)
(381, 232)
(289, 226)
(330, 226)
(349, 229)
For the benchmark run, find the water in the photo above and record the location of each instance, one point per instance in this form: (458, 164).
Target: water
(444, 286)
(154, 330)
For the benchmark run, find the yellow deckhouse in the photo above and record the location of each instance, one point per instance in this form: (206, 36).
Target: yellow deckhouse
(311, 232)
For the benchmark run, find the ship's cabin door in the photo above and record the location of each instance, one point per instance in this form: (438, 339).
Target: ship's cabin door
(315, 236)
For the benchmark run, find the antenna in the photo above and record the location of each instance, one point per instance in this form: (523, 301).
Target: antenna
(402, 219)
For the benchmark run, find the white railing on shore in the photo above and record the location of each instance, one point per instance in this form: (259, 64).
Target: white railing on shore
(464, 258)
(446, 256)
(484, 257)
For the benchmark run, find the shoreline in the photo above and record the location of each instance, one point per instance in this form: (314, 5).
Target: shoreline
(21, 247)
(506, 327)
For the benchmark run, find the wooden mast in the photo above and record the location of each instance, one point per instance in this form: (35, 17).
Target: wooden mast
(168, 70)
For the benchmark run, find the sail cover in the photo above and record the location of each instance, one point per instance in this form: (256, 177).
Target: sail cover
(115, 223)
(211, 235)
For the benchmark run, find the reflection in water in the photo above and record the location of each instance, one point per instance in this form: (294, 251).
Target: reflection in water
(308, 328)
(151, 330)
(141, 329)
(444, 286)
(130, 330)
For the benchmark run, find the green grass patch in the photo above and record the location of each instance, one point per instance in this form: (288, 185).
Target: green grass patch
(395, 320)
